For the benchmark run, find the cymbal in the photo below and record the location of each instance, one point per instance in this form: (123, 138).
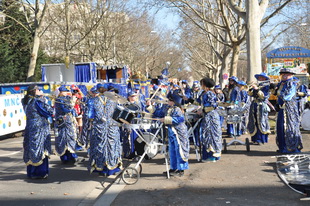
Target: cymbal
(115, 97)
(191, 107)
(224, 104)
(159, 101)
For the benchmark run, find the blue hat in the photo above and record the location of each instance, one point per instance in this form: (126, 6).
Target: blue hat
(217, 87)
(233, 78)
(184, 81)
(175, 85)
(63, 88)
(155, 87)
(261, 75)
(177, 99)
(100, 85)
(94, 89)
(132, 93)
(287, 70)
(241, 83)
(196, 84)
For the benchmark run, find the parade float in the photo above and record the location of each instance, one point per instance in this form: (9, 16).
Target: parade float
(83, 75)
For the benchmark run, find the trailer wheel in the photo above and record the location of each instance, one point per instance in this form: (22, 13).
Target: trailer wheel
(130, 175)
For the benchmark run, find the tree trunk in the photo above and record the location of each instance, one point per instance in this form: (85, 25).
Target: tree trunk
(33, 58)
(253, 39)
(234, 60)
(224, 67)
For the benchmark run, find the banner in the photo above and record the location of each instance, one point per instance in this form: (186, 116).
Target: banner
(12, 115)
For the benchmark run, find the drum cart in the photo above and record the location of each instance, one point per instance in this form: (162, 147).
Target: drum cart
(234, 116)
(192, 122)
(131, 174)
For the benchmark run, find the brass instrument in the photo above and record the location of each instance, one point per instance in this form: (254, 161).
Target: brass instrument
(259, 84)
(53, 99)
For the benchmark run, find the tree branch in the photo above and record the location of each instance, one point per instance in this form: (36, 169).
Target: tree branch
(240, 11)
(266, 19)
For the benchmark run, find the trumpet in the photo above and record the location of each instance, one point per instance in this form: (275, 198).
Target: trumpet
(51, 96)
(54, 97)
(259, 85)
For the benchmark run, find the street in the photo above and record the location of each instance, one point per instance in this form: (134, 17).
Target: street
(239, 178)
(65, 185)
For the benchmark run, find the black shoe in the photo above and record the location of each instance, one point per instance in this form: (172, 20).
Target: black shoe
(179, 173)
(170, 171)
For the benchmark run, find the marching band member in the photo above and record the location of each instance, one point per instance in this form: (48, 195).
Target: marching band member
(130, 147)
(233, 98)
(65, 142)
(84, 137)
(141, 97)
(195, 92)
(105, 145)
(77, 96)
(186, 92)
(173, 118)
(258, 124)
(244, 104)
(301, 96)
(220, 98)
(211, 132)
(37, 139)
(288, 135)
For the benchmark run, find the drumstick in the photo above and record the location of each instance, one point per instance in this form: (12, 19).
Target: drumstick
(151, 118)
(154, 93)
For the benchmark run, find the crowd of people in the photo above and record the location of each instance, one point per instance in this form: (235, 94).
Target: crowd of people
(92, 122)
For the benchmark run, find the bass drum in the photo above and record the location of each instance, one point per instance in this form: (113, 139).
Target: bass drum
(129, 113)
(134, 108)
(117, 113)
(151, 148)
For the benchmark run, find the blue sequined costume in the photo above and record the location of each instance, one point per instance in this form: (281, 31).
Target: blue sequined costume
(65, 142)
(177, 134)
(234, 98)
(131, 147)
(105, 145)
(258, 125)
(210, 129)
(288, 137)
(83, 139)
(178, 139)
(37, 139)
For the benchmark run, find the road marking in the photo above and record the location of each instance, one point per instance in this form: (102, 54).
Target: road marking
(13, 153)
(109, 196)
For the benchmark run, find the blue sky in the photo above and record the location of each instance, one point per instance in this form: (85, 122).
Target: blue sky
(167, 18)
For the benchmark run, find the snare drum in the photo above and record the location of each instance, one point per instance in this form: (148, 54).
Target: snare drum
(191, 117)
(241, 111)
(191, 108)
(132, 107)
(125, 114)
(117, 113)
(222, 111)
(232, 110)
(233, 119)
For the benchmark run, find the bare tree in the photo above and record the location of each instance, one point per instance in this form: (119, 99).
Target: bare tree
(252, 12)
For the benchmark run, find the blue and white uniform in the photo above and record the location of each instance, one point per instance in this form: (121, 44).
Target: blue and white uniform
(288, 136)
(37, 139)
(210, 129)
(105, 145)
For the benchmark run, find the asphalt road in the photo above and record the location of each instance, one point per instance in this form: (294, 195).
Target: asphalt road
(66, 184)
(239, 178)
